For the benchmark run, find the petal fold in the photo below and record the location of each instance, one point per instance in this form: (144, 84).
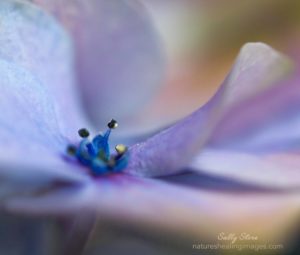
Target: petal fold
(269, 122)
(256, 69)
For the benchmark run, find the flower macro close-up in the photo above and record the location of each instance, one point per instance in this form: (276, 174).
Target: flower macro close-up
(99, 155)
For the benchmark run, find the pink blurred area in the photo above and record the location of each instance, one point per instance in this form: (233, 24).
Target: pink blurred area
(203, 37)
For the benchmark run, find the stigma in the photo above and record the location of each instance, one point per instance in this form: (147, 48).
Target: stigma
(95, 153)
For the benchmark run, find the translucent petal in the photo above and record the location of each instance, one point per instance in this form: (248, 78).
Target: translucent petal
(32, 147)
(262, 170)
(156, 205)
(33, 40)
(265, 123)
(256, 69)
(119, 57)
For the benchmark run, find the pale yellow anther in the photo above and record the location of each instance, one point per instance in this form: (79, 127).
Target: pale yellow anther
(121, 148)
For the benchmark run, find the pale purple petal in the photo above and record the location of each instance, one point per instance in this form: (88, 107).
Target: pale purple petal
(119, 59)
(19, 177)
(37, 104)
(267, 171)
(257, 68)
(153, 204)
(267, 122)
(32, 39)
(31, 143)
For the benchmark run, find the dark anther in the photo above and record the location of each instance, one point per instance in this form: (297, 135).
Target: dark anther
(112, 124)
(71, 150)
(84, 133)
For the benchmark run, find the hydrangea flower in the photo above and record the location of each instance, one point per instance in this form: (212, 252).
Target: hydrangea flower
(110, 50)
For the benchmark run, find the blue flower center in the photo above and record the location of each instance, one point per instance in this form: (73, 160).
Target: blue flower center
(95, 153)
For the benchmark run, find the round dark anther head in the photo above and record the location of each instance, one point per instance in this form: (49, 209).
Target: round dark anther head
(83, 132)
(71, 150)
(112, 124)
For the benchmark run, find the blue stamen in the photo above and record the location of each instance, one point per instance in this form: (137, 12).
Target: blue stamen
(91, 149)
(100, 143)
(82, 153)
(99, 167)
(96, 153)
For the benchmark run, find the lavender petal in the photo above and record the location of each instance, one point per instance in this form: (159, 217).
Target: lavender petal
(256, 69)
(119, 57)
